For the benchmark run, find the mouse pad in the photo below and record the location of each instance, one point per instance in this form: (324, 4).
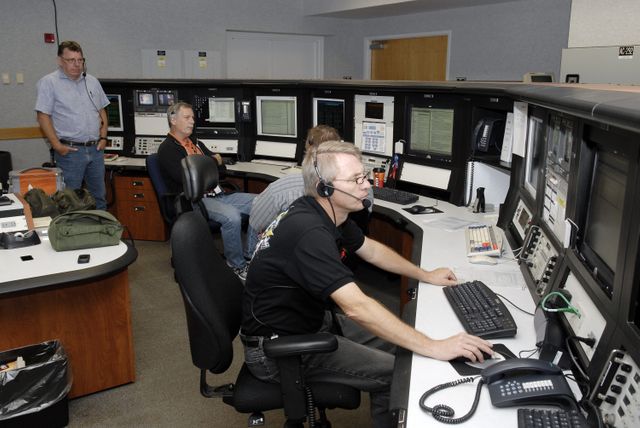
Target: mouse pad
(473, 369)
(428, 210)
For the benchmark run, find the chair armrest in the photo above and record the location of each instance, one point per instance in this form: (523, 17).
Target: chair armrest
(229, 185)
(288, 346)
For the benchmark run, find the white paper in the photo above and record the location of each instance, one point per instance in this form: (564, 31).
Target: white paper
(520, 113)
(507, 141)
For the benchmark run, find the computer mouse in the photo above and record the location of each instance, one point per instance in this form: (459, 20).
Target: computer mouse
(461, 359)
(417, 209)
(483, 260)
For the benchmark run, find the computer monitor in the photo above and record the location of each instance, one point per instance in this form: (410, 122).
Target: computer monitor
(221, 110)
(277, 116)
(604, 170)
(145, 98)
(166, 98)
(430, 132)
(602, 225)
(114, 112)
(330, 112)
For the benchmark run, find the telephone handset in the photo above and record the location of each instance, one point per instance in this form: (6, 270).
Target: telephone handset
(525, 381)
(487, 133)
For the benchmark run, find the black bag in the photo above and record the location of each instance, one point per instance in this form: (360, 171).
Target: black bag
(84, 229)
(69, 200)
(41, 204)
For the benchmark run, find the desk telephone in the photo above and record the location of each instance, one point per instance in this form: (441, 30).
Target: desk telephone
(512, 382)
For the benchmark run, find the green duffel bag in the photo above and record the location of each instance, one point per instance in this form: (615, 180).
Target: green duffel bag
(41, 204)
(69, 200)
(84, 229)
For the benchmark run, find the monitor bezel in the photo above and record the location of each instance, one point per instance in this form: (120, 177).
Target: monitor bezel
(119, 128)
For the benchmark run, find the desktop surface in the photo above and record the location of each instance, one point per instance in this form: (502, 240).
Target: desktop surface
(444, 244)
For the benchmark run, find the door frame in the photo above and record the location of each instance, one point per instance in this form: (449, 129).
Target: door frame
(367, 52)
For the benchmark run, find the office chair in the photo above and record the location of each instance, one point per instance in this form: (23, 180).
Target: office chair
(212, 296)
(199, 175)
(166, 200)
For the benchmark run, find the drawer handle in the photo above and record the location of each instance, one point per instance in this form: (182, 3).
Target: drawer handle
(138, 195)
(137, 183)
(138, 208)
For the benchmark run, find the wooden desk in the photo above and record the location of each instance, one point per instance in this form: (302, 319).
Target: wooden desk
(87, 308)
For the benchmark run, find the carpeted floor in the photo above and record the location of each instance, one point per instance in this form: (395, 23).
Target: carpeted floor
(166, 390)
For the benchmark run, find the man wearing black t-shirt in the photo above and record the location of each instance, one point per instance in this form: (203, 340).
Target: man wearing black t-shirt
(297, 274)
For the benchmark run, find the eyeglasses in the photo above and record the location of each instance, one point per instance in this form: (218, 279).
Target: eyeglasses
(79, 61)
(358, 180)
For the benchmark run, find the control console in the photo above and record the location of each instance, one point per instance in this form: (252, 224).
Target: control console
(540, 257)
(618, 391)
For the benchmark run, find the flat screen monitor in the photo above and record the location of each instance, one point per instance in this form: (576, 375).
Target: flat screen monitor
(603, 224)
(166, 98)
(277, 116)
(145, 98)
(114, 112)
(330, 112)
(431, 132)
(222, 110)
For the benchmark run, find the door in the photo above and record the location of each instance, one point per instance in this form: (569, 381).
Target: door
(416, 58)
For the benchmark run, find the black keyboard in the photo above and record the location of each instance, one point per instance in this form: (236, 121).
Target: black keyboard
(480, 311)
(394, 195)
(548, 418)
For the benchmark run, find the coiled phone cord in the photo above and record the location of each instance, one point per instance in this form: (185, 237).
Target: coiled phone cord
(444, 413)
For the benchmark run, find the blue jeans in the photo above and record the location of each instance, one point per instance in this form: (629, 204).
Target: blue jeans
(228, 210)
(362, 361)
(87, 163)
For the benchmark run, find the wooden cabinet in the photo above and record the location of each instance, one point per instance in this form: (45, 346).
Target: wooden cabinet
(136, 206)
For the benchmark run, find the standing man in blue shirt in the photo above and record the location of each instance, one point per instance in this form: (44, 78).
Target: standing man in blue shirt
(70, 108)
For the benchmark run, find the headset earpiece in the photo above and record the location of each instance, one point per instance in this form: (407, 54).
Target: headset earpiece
(323, 188)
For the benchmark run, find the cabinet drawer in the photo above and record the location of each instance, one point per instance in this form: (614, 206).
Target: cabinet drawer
(137, 183)
(137, 194)
(143, 220)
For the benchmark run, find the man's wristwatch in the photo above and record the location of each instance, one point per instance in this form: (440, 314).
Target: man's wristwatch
(103, 138)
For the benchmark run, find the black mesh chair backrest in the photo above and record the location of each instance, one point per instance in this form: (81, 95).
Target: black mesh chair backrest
(166, 200)
(212, 293)
(200, 174)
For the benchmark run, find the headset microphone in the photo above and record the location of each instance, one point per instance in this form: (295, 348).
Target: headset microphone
(84, 68)
(366, 203)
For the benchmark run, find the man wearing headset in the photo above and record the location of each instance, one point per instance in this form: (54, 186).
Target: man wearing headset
(297, 273)
(70, 109)
(281, 193)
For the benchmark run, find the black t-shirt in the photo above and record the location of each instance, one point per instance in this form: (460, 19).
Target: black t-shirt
(297, 266)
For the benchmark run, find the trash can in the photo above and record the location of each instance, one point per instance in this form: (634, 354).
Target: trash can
(36, 394)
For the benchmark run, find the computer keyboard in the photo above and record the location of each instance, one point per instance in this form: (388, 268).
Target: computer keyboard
(482, 240)
(550, 418)
(480, 311)
(394, 195)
